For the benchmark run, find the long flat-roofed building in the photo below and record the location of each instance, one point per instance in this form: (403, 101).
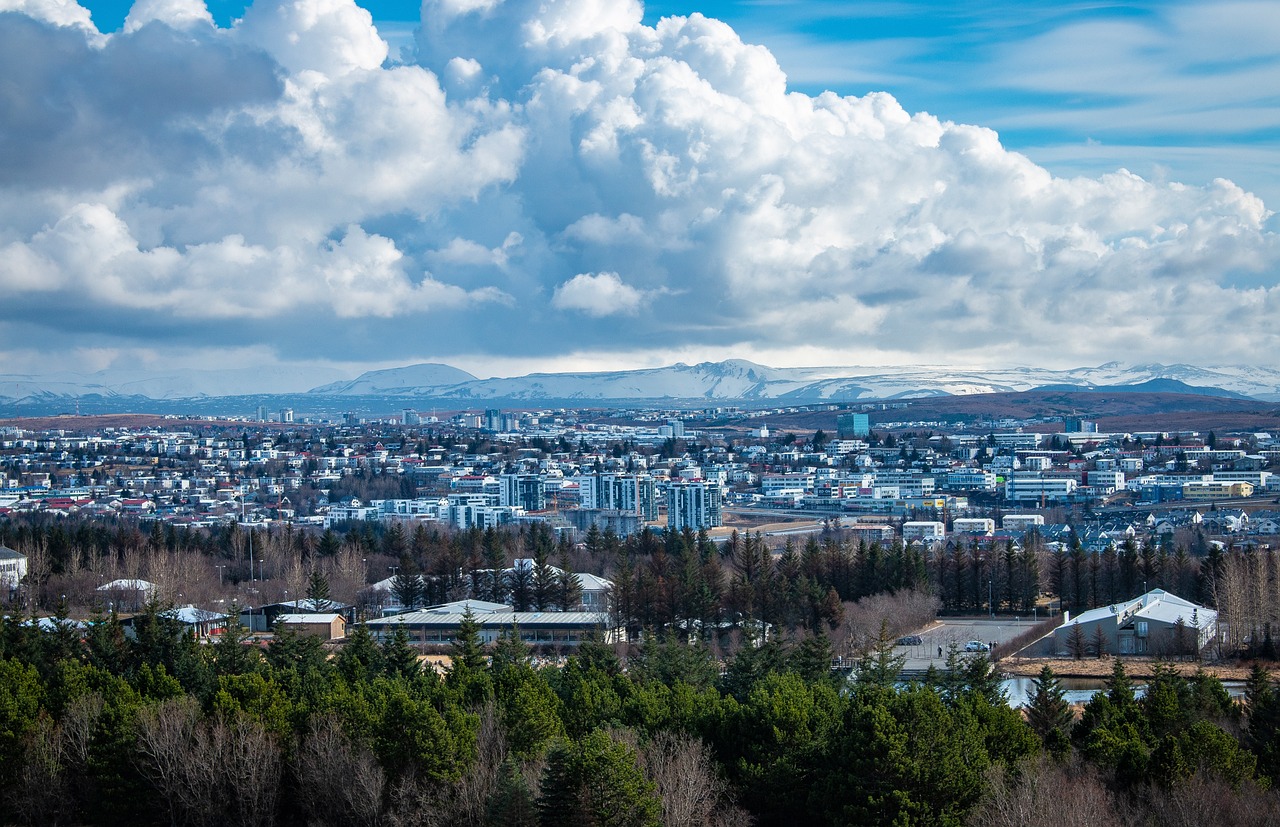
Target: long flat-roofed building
(441, 624)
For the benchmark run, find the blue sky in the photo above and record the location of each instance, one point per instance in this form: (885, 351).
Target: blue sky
(525, 185)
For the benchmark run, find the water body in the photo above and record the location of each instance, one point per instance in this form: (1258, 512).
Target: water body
(1080, 690)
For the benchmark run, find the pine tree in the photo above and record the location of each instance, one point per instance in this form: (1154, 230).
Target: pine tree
(1075, 641)
(1048, 713)
(318, 590)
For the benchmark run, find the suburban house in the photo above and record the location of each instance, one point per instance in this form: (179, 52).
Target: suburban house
(201, 624)
(127, 595)
(263, 618)
(1156, 623)
(328, 626)
(13, 567)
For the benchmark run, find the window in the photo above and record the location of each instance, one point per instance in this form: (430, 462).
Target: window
(1142, 628)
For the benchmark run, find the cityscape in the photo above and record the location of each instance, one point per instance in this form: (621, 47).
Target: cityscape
(596, 413)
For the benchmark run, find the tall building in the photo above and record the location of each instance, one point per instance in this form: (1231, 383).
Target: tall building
(632, 493)
(286, 414)
(410, 417)
(492, 420)
(853, 425)
(527, 491)
(693, 504)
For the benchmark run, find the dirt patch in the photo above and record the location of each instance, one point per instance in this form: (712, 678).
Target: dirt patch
(1138, 668)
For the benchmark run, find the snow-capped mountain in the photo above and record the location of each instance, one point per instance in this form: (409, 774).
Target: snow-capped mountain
(730, 380)
(738, 379)
(415, 380)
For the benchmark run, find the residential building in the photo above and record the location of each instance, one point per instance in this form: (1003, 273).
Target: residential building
(694, 505)
(1156, 623)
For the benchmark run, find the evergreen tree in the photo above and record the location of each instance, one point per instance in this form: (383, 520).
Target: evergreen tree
(1048, 713)
(880, 667)
(596, 782)
(318, 590)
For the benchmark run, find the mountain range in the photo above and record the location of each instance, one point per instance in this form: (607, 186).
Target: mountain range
(730, 381)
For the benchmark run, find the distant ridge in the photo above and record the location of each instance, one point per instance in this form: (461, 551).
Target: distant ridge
(733, 381)
(741, 380)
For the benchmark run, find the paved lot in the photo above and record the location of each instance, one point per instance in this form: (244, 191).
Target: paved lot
(958, 630)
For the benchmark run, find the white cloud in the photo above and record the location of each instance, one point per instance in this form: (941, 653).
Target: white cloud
(180, 14)
(600, 294)
(280, 184)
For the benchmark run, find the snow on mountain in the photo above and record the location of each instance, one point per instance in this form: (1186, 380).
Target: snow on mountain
(738, 379)
(412, 380)
(733, 379)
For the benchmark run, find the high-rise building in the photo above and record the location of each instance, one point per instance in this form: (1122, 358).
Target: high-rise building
(632, 493)
(527, 491)
(853, 425)
(286, 414)
(693, 504)
(492, 420)
(410, 417)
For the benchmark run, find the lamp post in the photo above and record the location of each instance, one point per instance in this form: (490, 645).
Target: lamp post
(220, 568)
(990, 605)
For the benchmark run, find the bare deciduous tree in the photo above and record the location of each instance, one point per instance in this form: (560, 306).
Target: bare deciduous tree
(1044, 793)
(693, 794)
(340, 781)
(225, 770)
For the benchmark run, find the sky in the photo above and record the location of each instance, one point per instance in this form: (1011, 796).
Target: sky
(311, 188)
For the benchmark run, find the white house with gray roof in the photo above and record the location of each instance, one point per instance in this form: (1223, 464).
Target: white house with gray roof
(1156, 623)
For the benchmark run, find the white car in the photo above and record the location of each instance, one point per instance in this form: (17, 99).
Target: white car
(976, 646)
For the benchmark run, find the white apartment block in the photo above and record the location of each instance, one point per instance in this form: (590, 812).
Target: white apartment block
(1021, 522)
(976, 526)
(694, 505)
(1034, 488)
(632, 493)
(927, 531)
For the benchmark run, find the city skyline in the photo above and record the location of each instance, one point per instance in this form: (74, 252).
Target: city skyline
(594, 185)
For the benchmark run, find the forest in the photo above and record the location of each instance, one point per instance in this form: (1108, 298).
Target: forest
(103, 729)
(677, 729)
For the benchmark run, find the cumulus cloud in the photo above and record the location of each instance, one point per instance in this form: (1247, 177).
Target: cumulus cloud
(602, 294)
(281, 184)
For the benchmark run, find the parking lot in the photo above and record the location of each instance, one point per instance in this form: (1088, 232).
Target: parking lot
(958, 630)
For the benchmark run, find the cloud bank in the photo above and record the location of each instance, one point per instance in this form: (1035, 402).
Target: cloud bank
(550, 179)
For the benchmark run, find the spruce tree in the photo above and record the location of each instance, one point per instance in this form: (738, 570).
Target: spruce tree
(1048, 713)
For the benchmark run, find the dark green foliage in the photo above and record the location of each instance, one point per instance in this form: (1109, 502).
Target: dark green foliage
(1048, 713)
(670, 659)
(596, 781)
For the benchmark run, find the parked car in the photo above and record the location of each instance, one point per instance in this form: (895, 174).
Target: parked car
(976, 646)
(910, 640)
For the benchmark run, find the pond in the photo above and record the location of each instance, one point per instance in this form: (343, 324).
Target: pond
(1080, 690)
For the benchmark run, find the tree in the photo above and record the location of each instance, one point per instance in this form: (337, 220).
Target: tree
(1075, 642)
(318, 590)
(880, 667)
(596, 782)
(1098, 642)
(1048, 713)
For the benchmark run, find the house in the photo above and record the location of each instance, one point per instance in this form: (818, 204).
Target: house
(202, 624)
(13, 567)
(1156, 623)
(263, 618)
(328, 626)
(127, 594)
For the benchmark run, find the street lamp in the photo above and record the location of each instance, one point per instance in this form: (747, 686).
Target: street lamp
(990, 606)
(220, 568)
